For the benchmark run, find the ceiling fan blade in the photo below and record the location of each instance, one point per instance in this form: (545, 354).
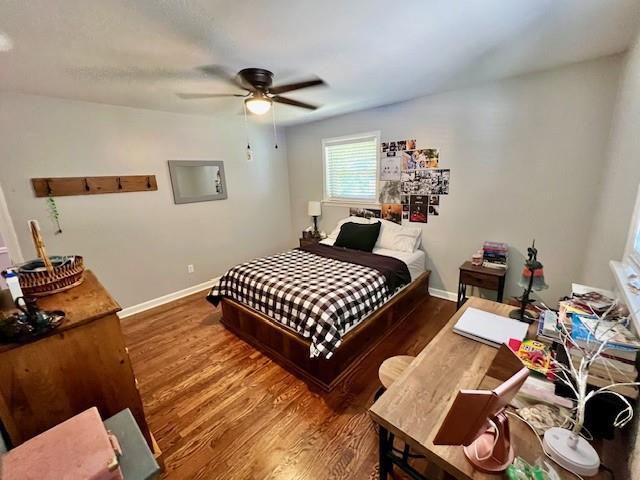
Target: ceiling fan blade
(223, 73)
(194, 96)
(293, 103)
(296, 86)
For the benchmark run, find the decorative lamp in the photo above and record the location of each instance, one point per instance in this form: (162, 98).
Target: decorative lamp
(532, 279)
(314, 209)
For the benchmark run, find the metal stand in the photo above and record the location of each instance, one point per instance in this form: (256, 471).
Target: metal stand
(521, 313)
(388, 457)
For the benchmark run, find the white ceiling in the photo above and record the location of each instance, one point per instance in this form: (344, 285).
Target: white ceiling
(370, 52)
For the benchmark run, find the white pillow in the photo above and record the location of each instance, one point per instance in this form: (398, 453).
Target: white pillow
(397, 237)
(333, 235)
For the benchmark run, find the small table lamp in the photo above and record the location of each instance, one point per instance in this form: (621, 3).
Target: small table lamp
(314, 209)
(532, 279)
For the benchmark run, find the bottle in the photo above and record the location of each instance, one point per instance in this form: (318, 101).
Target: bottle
(13, 283)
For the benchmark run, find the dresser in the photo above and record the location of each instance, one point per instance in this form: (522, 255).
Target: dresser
(83, 363)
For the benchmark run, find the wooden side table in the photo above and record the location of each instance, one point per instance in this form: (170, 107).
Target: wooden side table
(308, 241)
(483, 277)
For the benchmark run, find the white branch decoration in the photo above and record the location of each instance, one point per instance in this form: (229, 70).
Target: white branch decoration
(576, 377)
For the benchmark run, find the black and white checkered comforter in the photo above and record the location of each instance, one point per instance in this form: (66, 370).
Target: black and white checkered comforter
(318, 297)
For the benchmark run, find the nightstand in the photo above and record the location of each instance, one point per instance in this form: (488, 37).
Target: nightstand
(482, 277)
(308, 241)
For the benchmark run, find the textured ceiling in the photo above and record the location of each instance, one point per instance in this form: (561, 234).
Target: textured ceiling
(371, 52)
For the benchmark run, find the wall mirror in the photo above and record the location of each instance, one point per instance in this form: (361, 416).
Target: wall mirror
(197, 180)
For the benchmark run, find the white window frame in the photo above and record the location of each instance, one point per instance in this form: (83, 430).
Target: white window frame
(631, 255)
(629, 267)
(345, 202)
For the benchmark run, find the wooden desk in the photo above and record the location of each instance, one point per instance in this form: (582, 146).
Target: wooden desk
(414, 407)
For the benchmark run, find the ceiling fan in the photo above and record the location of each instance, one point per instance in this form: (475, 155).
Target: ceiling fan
(258, 84)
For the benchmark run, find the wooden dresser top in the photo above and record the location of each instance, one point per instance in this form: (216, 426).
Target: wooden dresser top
(82, 304)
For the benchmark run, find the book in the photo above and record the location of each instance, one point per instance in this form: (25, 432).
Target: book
(607, 361)
(583, 337)
(494, 265)
(629, 391)
(536, 356)
(489, 328)
(541, 390)
(548, 327)
(610, 331)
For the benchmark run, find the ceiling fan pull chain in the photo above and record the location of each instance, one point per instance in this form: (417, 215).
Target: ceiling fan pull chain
(246, 129)
(275, 133)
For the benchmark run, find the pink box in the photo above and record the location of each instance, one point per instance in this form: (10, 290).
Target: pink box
(77, 449)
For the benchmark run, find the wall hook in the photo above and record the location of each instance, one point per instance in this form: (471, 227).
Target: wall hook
(86, 185)
(49, 189)
(119, 184)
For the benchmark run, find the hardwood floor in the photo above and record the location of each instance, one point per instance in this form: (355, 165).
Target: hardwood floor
(219, 409)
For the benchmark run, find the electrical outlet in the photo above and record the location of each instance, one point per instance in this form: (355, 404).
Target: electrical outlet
(190, 268)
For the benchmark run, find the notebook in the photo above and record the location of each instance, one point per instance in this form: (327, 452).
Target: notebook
(489, 328)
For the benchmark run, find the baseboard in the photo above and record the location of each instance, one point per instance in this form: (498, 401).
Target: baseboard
(436, 292)
(170, 297)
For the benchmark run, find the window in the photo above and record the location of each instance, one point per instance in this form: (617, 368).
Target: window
(351, 168)
(626, 272)
(632, 251)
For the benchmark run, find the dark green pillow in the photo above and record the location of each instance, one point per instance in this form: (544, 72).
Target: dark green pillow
(358, 236)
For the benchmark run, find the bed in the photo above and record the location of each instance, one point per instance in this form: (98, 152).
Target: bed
(318, 310)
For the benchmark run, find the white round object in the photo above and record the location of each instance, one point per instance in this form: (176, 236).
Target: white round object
(5, 42)
(571, 451)
(258, 106)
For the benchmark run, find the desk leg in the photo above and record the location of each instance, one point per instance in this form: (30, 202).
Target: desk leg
(501, 289)
(383, 445)
(462, 294)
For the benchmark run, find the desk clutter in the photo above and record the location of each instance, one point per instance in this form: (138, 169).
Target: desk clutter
(495, 255)
(583, 359)
(547, 424)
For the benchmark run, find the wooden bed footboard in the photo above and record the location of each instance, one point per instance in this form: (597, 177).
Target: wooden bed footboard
(292, 350)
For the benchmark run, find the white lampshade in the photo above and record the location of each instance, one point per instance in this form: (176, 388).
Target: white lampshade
(314, 209)
(258, 105)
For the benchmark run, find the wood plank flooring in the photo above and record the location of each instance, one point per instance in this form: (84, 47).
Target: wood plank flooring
(221, 410)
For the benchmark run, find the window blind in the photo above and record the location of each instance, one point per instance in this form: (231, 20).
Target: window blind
(351, 168)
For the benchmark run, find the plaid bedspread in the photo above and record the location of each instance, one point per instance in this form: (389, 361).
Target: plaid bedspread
(318, 297)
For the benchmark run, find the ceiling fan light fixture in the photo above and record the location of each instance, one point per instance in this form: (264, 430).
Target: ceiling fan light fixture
(258, 105)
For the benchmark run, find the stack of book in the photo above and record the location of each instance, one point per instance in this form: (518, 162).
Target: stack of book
(616, 363)
(496, 254)
(581, 314)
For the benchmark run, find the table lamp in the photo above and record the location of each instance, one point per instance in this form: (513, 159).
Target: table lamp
(314, 209)
(532, 279)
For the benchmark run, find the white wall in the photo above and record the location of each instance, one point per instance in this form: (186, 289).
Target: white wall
(620, 178)
(617, 195)
(139, 244)
(526, 157)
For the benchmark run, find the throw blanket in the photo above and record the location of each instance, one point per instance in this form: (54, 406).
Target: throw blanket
(319, 291)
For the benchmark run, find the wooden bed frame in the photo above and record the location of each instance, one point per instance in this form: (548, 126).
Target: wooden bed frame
(292, 350)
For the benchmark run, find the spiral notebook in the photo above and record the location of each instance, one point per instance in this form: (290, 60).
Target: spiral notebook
(489, 328)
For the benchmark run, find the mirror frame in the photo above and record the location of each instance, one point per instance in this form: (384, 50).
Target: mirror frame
(178, 197)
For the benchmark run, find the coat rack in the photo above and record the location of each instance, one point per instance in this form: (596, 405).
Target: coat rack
(65, 186)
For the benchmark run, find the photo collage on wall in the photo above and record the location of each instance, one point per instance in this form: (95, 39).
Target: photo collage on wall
(411, 182)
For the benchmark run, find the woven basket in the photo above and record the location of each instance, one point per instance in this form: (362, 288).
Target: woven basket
(68, 272)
